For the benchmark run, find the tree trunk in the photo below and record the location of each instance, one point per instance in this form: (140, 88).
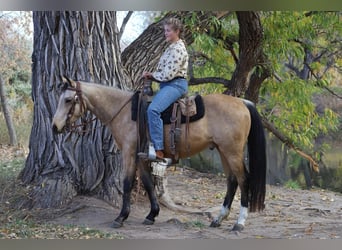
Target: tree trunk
(83, 46)
(7, 114)
(250, 50)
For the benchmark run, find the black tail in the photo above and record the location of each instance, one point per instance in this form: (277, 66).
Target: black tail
(257, 160)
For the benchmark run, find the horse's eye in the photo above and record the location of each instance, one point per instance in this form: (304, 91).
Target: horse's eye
(68, 100)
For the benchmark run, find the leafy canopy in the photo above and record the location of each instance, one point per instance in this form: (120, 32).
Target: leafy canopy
(304, 51)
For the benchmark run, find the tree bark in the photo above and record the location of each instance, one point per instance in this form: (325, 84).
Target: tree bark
(7, 114)
(250, 49)
(83, 46)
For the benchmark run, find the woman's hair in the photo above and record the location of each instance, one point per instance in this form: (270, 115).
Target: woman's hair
(175, 24)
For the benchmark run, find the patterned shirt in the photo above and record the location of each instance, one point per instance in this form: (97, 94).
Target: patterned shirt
(173, 63)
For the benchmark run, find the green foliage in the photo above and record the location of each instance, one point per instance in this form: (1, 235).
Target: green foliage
(15, 60)
(289, 106)
(287, 33)
(288, 37)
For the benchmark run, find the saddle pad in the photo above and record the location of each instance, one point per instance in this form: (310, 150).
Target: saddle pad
(166, 115)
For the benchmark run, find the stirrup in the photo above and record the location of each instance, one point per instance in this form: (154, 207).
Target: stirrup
(152, 156)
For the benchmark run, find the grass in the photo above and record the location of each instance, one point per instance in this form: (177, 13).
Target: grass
(11, 169)
(195, 224)
(292, 184)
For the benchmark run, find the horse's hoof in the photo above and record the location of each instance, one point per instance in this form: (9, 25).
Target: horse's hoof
(215, 223)
(116, 224)
(148, 222)
(238, 228)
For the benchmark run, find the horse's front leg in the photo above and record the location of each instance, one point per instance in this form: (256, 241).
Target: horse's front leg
(147, 180)
(130, 167)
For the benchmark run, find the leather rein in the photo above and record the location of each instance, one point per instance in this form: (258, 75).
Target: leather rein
(78, 98)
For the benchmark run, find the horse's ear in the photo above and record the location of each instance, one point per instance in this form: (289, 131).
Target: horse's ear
(67, 82)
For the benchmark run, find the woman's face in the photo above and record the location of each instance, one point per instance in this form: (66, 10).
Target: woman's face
(171, 35)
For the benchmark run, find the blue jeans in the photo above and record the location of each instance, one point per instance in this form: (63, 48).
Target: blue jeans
(169, 92)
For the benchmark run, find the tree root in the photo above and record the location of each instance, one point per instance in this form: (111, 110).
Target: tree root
(166, 200)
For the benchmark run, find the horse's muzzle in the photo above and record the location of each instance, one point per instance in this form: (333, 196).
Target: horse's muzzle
(55, 129)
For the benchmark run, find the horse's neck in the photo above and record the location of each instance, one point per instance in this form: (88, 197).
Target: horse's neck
(105, 102)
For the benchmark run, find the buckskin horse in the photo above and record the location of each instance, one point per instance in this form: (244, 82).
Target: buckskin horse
(228, 124)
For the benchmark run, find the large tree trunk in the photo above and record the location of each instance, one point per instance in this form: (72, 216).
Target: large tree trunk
(250, 52)
(7, 114)
(83, 46)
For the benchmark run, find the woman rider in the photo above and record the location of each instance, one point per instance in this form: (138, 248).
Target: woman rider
(171, 73)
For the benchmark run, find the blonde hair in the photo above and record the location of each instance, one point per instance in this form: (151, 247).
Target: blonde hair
(175, 24)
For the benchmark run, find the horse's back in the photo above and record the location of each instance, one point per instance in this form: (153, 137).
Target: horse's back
(225, 108)
(228, 118)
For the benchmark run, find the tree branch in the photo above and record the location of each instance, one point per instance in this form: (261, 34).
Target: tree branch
(293, 68)
(196, 81)
(270, 127)
(124, 23)
(325, 87)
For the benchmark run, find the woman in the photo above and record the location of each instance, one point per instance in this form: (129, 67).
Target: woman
(171, 73)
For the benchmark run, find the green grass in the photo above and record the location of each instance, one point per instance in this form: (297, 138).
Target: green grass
(292, 184)
(11, 169)
(195, 224)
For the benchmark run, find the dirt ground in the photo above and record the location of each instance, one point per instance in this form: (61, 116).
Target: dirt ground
(289, 213)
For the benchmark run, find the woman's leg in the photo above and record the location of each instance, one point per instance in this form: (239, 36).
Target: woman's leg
(163, 99)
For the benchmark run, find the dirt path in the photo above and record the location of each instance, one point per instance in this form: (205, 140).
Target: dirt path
(288, 214)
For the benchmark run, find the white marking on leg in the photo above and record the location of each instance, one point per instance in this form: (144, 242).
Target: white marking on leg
(243, 215)
(224, 212)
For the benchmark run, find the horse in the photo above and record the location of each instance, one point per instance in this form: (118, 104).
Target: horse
(229, 124)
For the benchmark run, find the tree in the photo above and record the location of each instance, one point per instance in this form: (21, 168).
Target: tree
(249, 56)
(83, 46)
(7, 114)
(13, 57)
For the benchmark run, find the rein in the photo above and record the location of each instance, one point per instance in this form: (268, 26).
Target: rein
(78, 98)
(122, 107)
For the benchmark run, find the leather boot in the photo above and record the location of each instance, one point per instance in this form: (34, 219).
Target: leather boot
(160, 154)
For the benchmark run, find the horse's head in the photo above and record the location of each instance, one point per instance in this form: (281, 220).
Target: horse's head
(71, 106)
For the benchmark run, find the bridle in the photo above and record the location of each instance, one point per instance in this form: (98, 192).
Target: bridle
(78, 99)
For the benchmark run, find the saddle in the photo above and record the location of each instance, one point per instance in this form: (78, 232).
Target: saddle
(184, 110)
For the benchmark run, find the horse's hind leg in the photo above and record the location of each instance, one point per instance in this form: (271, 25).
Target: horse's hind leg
(231, 190)
(244, 188)
(232, 185)
(147, 180)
